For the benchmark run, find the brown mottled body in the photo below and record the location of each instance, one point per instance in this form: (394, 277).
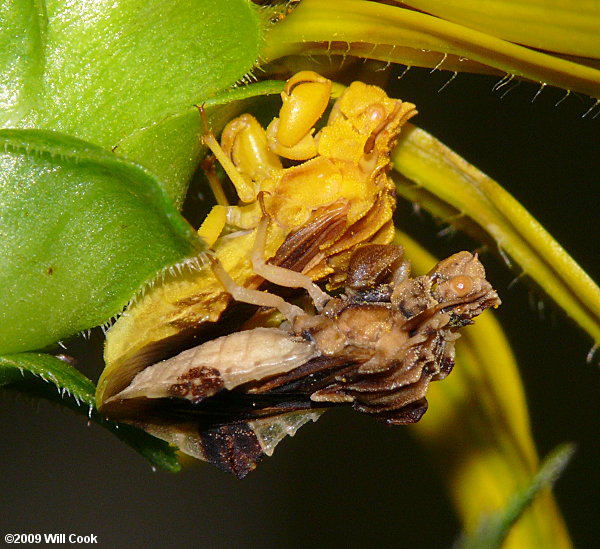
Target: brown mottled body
(376, 347)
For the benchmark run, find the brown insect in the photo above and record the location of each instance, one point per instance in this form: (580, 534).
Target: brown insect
(376, 347)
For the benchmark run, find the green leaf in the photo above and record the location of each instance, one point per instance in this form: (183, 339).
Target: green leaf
(102, 70)
(493, 530)
(47, 376)
(445, 179)
(80, 232)
(376, 31)
(159, 144)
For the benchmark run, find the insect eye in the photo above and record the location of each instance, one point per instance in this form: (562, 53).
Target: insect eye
(376, 113)
(461, 285)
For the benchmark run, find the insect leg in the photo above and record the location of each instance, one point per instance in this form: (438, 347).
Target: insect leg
(213, 224)
(280, 275)
(244, 189)
(254, 297)
(209, 168)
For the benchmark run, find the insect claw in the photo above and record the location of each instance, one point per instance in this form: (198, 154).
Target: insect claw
(204, 118)
(261, 200)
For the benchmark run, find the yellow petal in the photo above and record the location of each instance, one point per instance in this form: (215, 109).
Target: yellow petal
(561, 26)
(390, 33)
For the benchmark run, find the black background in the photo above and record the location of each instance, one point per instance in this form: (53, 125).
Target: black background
(346, 480)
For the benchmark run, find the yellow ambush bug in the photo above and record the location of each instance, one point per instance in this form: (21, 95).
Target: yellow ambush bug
(335, 195)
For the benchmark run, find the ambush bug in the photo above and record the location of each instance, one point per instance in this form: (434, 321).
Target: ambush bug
(328, 192)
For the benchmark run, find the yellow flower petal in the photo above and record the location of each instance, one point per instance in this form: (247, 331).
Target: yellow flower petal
(561, 26)
(390, 33)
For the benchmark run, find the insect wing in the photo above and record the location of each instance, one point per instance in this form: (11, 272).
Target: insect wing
(235, 447)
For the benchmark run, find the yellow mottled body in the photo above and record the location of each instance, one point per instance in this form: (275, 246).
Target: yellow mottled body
(341, 169)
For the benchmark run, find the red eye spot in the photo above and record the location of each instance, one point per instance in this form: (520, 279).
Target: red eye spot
(461, 285)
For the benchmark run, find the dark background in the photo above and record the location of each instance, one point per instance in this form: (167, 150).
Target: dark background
(347, 480)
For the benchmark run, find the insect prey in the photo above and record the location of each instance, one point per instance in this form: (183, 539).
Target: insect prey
(374, 347)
